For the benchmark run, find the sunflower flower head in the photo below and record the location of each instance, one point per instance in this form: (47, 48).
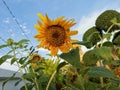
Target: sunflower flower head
(55, 34)
(35, 59)
(117, 71)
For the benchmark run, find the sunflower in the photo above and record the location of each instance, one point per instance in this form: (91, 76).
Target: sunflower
(55, 34)
(117, 71)
(35, 58)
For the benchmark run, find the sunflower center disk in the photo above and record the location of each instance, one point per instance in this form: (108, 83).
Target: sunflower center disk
(36, 58)
(56, 35)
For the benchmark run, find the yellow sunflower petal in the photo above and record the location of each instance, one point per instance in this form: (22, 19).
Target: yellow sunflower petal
(73, 33)
(41, 16)
(47, 18)
(39, 36)
(39, 23)
(69, 24)
(59, 19)
(41, 45)
(54, 51)
(37, 27)
(76, 46)
(64, 48)
(64, 23)
(70, 45)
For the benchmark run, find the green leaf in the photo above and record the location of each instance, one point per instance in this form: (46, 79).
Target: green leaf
(31, 47)
(29, 87)
(13, 60)
(104, 52)
(16, 83)
(115, 62)
(90, 58)
(3, 46)
(87, 44)
(115, 81)
(108, 44)
(4, 58)
(94, 37)
(61, 65)
(11, 51)
(107, 36)
(114, 88)
(72, 57)
(22, 60)
(23, 41)
(114, 20)
(116, 39)
(10, 41)
(29, 75)
(100, 72)
(91, 86)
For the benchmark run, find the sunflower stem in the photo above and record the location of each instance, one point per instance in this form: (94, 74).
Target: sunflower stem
(110, 28)
(35, 80)
(51, 78)
(20, 69)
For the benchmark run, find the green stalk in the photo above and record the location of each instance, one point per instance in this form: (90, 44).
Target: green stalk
(110, 28)
(24, 81)
(101, 81)
(51, 78)
(35, 80)
(101, 64)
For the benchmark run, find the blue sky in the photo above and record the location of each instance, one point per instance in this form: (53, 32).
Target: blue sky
(84, 12)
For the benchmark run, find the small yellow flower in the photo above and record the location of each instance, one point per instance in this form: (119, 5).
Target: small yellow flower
(36, 58)
(117, 71)
(55, 34)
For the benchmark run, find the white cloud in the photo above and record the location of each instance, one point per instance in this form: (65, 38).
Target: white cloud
(6, 21)
(25, 28)
(7, 65)
(42, 50)
(10, 30)
(88, 21)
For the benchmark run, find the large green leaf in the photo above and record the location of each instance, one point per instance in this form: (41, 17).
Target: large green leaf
(108, 44)
(94, 37)
(28, 75)
(4, 58)
(104, 52)
(87, 44)
(72, 57)
(90, 58)
(115, 22)
(100, 72)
